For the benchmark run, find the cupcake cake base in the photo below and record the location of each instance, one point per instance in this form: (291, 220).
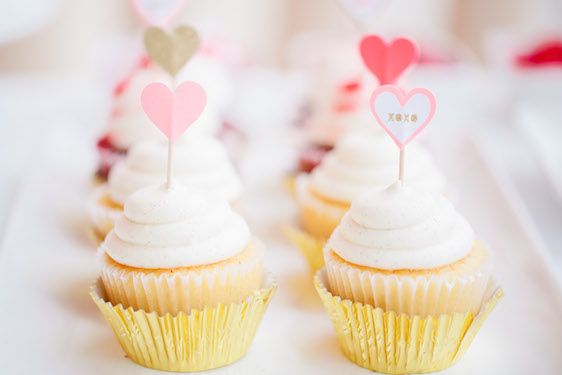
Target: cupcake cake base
(457, 287)
(183, 289)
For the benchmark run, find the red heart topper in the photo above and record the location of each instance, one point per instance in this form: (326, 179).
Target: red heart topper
(173, 112)
(388, 61)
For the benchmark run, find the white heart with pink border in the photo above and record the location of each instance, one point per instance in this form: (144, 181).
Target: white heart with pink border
(402, 115)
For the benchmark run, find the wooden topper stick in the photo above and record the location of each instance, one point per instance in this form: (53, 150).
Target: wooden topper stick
(170, 166)
(401, 166)
(170, 163)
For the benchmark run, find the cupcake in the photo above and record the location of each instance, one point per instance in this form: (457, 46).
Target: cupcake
(199, 160)
(338, 88)
(347, 114)
(404, 251)
(128, 124)
(361, 161)
(183, 278)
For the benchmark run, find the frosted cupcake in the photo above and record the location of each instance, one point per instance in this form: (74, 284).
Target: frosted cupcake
(187, 275)
(174, 250)
(403, 254)
(361, 161)
(338, 92)
(338, 109)
(199, 160)
(128, 124)
(407, 250)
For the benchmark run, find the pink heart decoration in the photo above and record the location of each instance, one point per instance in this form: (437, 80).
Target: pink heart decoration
(157, 12)
(388, 61)
(364, 11)
(402, 116)
(173, 112)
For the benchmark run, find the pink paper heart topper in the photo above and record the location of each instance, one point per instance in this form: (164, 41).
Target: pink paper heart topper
(388, 61)
(364, 11)
(402, 116)
(173, 112)
(158, 12)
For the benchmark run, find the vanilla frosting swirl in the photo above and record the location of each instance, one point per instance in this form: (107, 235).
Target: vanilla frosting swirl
(198, 160)
(176, 227)
(401, 227)
(368, 159)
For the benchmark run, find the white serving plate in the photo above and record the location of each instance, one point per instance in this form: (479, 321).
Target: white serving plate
(49, 325)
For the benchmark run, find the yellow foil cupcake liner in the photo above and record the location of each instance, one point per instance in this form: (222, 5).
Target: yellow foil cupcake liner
(189, 341)
(311, 247)
(391, 343)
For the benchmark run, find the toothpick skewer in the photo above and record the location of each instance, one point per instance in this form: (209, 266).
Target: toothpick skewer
(401, 166)
(170, 167)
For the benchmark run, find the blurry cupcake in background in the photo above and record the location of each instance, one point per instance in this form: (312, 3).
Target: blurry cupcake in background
(336, 112)
(184, 271)
(403, 257)
(338, 93)
(362, 160)
(199, 160)
(128, 123)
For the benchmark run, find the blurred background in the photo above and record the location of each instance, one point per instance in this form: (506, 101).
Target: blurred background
(496, 68)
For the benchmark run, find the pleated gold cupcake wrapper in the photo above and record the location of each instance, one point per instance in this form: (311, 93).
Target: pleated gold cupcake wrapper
(310, 246)
(393, 343)
(180, 291)
(427, 295)
(189, 341)
(101, 217)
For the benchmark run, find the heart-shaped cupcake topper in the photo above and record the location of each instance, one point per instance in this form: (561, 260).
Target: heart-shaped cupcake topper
(171, 51)
(388, 61)
(173, 112)
(363, 11)
(158, 12)
(402, 115)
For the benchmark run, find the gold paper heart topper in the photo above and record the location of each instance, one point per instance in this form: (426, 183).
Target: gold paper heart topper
(171, 51)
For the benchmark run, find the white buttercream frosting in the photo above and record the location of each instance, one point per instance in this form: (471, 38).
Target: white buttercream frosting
(176, 227)
(364, 160)
(401, 227)
(198, 160)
